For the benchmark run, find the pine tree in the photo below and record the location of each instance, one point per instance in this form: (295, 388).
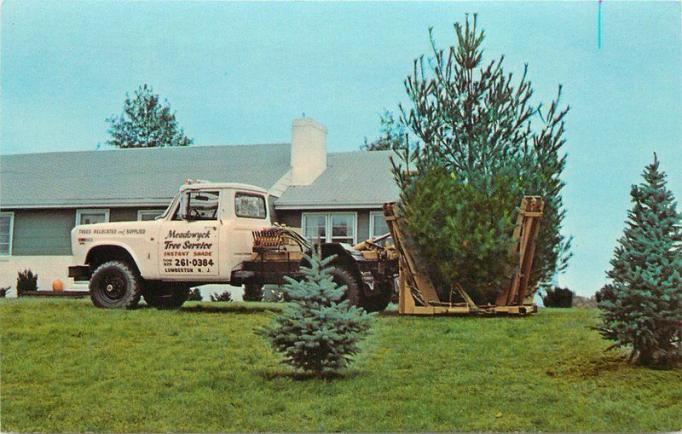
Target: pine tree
(317, 332)
(471, 126)
(463, 234)
(641, 307)
(146, 123)
(392, 135)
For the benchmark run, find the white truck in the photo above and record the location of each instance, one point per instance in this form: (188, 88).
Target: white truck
(206, 235)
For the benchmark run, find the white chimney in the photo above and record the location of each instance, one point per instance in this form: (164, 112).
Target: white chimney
(308, 151)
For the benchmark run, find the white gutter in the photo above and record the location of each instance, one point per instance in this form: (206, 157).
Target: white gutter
(108, 204)
(330, 206)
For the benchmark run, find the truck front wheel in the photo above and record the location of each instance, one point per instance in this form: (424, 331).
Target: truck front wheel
(165, 295)
(115, 284)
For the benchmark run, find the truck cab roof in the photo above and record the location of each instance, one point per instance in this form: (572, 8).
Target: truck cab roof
(221, 185)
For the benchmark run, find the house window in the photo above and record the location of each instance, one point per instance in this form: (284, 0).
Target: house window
(149, 214)
(249, 205)
(335, 227)
(6, 233)
(343, 228)
(315, 227)
(377, 224)
(91, 216)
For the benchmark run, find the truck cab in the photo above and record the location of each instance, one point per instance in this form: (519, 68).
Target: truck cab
(203, 234)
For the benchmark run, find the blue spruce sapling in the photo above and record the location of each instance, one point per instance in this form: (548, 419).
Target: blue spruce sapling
(641, 307)
(318, 332)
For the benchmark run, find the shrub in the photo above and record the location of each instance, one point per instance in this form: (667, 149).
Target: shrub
(27, 281)
(4, 291)
(641, 306)
(195, 295)
(223, 296)
(272, 294)
(317, 332)
(584, 302)
(558, 297)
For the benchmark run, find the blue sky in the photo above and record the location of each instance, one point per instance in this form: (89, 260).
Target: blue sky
(240, 72)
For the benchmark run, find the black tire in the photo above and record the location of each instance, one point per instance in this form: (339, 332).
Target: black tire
(253, 292)
(115, 285)
(166, 295)
(353, 292)
(380, 301)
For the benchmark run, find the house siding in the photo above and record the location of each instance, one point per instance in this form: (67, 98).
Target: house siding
(43, 232)
(122, 214)
(289, 218)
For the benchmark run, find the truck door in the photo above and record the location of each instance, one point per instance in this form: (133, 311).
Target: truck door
(250, 214)
(188, 241)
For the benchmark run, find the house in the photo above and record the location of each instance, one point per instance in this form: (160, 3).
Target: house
(331, 196)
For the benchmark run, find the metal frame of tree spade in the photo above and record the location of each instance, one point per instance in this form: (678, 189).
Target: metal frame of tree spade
(418, 296)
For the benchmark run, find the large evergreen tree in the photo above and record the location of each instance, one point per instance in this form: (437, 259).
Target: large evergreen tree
(641, 307)
(317, 332)
(392, 134)
(476, 145)
(146, 122)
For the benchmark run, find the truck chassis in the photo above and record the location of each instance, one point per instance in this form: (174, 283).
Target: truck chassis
(368, 270)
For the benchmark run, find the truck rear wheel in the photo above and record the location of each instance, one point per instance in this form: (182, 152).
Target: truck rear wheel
(379, 302)
(353, 293)
(166, 295)
(253, 292)
(115, 284)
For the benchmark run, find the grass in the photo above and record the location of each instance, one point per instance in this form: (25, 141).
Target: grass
(67, 366)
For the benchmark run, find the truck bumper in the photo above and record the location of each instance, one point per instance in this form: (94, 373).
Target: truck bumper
(80, 273)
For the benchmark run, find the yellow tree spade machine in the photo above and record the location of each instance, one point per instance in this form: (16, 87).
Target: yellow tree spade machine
(418, 296)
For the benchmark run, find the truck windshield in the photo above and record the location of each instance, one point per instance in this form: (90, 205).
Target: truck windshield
(169, 208)
(198, 205)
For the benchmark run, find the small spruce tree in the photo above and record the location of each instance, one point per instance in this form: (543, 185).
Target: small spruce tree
(641, 307)
(318, 332)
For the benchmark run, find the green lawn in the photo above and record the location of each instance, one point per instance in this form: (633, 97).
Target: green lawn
(67, 366)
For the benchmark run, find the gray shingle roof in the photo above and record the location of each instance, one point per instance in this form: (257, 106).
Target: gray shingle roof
(152, 176)
(133, 176)
(352, 179)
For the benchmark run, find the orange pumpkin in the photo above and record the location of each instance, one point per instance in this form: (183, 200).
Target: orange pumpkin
(57, 285)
